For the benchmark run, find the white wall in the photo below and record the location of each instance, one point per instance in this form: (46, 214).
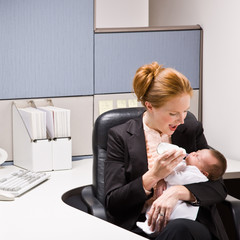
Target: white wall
(121, 13)
(221, 58)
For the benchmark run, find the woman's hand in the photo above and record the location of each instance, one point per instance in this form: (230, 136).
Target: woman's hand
(162, 207)
(162, 167)
(166, 162)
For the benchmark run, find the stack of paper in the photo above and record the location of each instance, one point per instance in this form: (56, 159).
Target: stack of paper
(58, 121)
(35, 121)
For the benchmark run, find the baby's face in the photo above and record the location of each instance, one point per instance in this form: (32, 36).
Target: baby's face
(200, 159)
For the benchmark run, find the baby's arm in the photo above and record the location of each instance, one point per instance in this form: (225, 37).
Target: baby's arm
(190, 174)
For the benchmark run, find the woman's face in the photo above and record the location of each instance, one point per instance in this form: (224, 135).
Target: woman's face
(167, 118)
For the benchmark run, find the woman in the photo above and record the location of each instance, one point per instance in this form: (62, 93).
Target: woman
(134, 171)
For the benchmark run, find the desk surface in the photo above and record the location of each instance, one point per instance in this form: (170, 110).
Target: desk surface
(233, 169)
(41, 213)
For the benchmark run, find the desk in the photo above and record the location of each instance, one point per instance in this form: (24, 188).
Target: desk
(41, 213)
(233, 169)
(232, 178)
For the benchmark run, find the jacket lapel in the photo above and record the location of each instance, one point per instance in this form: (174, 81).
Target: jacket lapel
(178, 136)
(137, 147)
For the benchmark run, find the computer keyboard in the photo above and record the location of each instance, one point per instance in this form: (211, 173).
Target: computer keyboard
(21, 181)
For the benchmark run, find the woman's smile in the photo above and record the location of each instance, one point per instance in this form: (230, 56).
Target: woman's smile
(173, 127)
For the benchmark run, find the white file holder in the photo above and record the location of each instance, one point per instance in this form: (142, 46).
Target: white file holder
(62, 153)
(38, 154)
(61, 147)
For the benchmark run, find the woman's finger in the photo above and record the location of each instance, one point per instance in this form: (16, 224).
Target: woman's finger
(171, 156)
(176, 161)
(177, 155)
(168, 154)
(154, 219)
(166, 218)
(150, 213)
(160, 220)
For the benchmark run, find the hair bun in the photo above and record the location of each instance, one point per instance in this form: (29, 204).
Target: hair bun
(155, 84)
(144, 77)
(152, 70)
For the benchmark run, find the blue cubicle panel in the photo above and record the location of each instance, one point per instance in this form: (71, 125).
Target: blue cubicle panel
(119, 54)
(46, 48)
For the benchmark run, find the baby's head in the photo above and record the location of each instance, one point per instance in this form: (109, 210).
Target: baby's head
(210, 162)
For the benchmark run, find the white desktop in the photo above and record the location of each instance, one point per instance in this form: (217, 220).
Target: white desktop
(41, 214)
(233, 169)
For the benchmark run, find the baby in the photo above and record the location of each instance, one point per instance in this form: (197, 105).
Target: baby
(200, 166)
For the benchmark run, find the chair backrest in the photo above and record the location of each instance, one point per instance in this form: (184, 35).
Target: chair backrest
(102, 125)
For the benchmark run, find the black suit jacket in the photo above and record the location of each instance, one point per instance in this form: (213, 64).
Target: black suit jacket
(127, 162)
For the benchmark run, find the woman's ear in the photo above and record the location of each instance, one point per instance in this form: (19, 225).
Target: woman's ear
(148, 106)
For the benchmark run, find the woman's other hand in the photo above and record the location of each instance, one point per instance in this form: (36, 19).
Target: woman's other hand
(162, 207)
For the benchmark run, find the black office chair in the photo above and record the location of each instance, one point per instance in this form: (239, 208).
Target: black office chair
(91, 198)
(229, 211)
(100, 134)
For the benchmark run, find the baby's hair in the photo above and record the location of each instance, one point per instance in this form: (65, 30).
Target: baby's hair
(217, 170)
(157, 85)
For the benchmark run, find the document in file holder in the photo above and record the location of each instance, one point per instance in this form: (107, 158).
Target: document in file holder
(35, 121)
(38, 151)
(57, 121)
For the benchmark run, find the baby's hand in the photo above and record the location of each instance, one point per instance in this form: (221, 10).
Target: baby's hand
(160, 187)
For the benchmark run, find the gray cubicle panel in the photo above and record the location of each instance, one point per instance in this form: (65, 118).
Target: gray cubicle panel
(118, 54)
(46, 48)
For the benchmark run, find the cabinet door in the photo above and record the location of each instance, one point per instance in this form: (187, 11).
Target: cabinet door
(119, 54)
(46, 48)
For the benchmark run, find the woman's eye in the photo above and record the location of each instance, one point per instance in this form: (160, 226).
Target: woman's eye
(173, 114)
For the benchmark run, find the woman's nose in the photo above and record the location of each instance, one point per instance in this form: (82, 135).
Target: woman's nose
(181, 118)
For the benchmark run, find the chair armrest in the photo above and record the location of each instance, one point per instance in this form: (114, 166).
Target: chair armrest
(234, 204)
(229, 211)
(95, 207)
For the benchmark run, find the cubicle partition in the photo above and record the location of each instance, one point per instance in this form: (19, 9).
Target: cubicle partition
(51, 50)
(119, 53)
(46, 48)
